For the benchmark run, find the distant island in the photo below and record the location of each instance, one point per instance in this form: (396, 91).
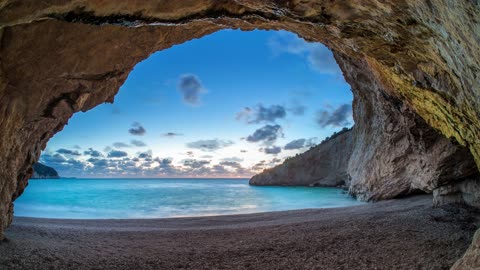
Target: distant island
(41, 171)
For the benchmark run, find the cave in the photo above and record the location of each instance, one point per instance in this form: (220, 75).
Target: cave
(413, 67)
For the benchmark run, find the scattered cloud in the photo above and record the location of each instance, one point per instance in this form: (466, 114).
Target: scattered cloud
(147, 154)
(339, 117)
(297, 109)
(55, 158)
(138, 143)
(68, 152)
(275, 161)
(137, 129)
(233, 159)
(295, 144)
(261, 165)
(300, 143)
(118, 163)
(195, 164)
(271, 150)
(209, 145)
(266, 134)
(120, 145)
(319, 57)
(191, 88)
(77, 147)
(233, 164)
(117, 154)
(93, 153)
(262, 114)
(171, 134)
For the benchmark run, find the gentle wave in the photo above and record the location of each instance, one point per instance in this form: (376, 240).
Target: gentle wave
(161, 198)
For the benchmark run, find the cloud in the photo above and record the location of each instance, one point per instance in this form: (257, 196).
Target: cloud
(319, 57)
(243, 151)
(191, 88)
(232, 164)
(137, 129)
(93, 153)
(275, 161)
(259, 166)
(138, 143)
(272, 150)
(120, 145)
(295, 144)
(98, 163)
(51, 159)
(209, 145)
(266, 134)
(336, 118)
(262, 114)
(77, 147)
(163, 162)
(117, 154)
(195, 164)
(235, 159)
(297, 109)
(171, 134)
(68, 152)
(144, 155)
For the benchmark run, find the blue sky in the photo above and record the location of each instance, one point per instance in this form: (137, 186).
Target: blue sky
(227, 105)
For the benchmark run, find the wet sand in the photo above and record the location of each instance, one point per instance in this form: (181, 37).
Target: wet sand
(398, 234)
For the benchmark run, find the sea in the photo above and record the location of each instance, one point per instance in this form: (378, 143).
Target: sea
(166, 198)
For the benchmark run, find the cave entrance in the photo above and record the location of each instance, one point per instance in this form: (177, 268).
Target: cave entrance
(228, 105)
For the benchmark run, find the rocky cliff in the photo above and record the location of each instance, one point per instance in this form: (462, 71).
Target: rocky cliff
(41, 171)
(413, 66)
(323, 165)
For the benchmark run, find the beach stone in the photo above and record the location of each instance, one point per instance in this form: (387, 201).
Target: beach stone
(413, 67)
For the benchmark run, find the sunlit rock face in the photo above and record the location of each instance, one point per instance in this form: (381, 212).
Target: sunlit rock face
(413, 67)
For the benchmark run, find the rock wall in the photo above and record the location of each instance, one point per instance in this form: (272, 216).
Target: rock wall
(395, 152)
(391, 151)
(420, 57)
(41, 171)
(323, 165)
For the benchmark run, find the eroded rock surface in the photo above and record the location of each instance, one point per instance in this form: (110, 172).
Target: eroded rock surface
(41, 171)
(323, 165)
(419, 59)
(471, 258)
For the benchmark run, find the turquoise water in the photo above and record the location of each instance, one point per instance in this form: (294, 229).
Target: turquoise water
(160, 198)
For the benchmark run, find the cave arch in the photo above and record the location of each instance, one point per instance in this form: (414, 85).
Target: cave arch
(411, 64)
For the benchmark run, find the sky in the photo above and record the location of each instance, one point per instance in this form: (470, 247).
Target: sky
(227, 105)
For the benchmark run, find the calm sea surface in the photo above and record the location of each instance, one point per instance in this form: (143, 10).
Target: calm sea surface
(159, 198)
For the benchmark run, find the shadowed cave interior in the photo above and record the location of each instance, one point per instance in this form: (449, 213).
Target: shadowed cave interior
(412, 67)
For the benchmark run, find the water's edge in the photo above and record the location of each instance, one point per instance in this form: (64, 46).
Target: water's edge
(165, 198)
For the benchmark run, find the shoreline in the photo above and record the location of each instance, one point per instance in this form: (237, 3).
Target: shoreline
(396, 234)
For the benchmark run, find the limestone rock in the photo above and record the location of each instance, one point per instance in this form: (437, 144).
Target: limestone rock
(41, 171)
(471, 258)
(413, 66)
(323, 165)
